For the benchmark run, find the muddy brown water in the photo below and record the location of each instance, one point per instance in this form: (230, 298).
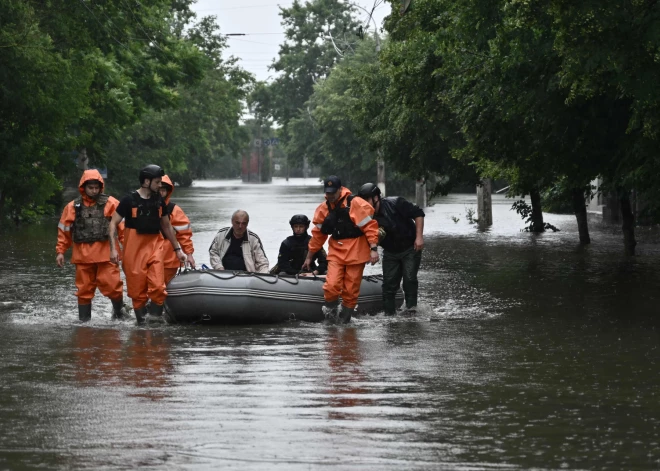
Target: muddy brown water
(528, 352)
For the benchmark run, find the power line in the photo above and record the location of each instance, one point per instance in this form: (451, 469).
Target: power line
(243, 7)
(101, 24)
(249, 34)
(254, 42)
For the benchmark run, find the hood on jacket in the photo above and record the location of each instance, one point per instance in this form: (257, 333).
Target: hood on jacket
(343, 193)
(88, 175)
(167, 181)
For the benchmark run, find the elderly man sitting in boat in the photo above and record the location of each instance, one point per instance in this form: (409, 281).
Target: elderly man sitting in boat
(237, 249)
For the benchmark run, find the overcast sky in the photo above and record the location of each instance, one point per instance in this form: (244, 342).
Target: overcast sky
(261, 21)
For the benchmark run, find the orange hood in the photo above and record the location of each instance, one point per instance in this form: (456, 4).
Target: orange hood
(87, 176)
(343, 192)
(167, 181)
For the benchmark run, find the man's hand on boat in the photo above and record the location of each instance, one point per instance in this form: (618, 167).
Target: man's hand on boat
(191, 261)
(183, 258)
(307, 264)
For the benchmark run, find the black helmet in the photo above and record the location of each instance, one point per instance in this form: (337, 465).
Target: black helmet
(151, 171)
(299, 219)
(368, 190)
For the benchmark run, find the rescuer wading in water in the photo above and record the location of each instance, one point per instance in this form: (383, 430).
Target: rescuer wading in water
(145, 214)
(85, 224)
(182, 229)
(353, 243)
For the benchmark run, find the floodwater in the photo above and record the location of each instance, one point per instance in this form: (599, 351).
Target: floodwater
(529, 352)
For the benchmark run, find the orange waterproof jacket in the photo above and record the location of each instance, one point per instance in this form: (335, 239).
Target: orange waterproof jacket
(347, 251)
(182, 229)
(95, 252)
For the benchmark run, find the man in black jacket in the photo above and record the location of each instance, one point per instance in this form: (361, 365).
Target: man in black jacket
(402, 223)
(293, 250)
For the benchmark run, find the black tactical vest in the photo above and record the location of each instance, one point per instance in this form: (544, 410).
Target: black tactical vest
(146, 220)
(338, 223)
(90, 224)
(297, 251)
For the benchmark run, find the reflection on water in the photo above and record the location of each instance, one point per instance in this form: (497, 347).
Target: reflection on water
(346, 378)
(102, 357)
(528, 352)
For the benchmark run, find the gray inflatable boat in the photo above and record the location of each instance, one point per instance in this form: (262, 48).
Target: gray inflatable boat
(225, 297)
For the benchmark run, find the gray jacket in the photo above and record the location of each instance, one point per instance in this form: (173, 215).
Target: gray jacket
(253, 251)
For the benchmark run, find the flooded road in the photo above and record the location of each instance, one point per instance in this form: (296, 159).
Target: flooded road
(529, 352)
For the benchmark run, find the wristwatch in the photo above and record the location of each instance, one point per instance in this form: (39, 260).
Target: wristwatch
(375, 249)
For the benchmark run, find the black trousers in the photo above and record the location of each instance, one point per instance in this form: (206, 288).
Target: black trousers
(395, 267)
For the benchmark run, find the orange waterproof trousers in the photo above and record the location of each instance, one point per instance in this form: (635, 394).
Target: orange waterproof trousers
(169, 274)
(103, 275)
(343, 280)
(143, 267)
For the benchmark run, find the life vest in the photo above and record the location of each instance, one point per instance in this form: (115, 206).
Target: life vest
(145, 214)
(338, 222)
(297, 252)
(90, 224)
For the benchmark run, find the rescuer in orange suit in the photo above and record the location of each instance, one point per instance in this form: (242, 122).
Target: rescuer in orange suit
(353, 243)
(182, 229)
(85, 224)
(145, 215)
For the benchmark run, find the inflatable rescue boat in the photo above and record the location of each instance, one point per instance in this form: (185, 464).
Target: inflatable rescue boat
(226, 297)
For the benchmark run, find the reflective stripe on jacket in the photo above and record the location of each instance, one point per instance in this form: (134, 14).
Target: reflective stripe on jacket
(347, 251)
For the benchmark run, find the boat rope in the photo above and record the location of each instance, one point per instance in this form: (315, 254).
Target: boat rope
(260, 276)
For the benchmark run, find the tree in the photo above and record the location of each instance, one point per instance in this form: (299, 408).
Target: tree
(201, 131)
(74, 74)
(500, 77)
(318, 33)
(41, 93)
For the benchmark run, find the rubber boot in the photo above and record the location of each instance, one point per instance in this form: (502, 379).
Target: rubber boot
(155, 313)
(345, 314)
(389, 305)
(118, 310)
(330, 309)
(84, 312)
(140, 314)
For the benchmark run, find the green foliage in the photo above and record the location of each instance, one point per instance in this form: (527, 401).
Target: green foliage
(525, 211)
(77, 75)
(339, 148)
(318, 32)
(557, 198)
(41, 92)
(402, 111)
(535, 92)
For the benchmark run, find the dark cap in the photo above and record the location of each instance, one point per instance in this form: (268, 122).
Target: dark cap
(331, 184)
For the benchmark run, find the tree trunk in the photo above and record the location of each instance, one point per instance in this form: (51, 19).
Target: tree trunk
(380, 176)
(420, 193)
(3, 194)
(537, 212)
(83, 160)
(485, 203)
(580, 209)
(628, 226)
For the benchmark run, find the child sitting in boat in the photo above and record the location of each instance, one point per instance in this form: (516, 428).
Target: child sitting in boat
(293, 251)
